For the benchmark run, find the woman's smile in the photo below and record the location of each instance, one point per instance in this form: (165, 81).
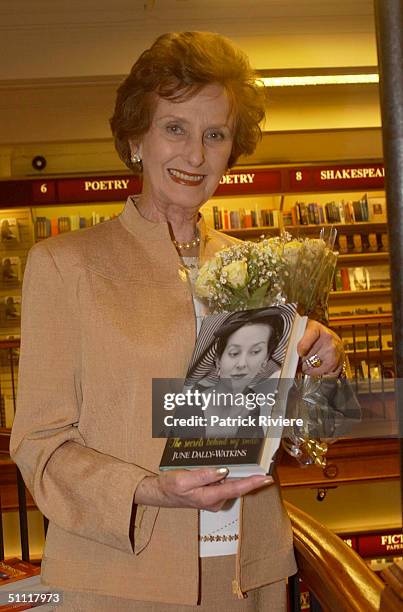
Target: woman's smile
(185, 178)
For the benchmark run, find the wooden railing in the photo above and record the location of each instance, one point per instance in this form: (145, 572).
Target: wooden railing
(339, 579)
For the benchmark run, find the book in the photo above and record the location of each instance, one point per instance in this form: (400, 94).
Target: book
(377, 210)
(64, 224)
(9, 230)
(236, 390)
(10, 270)
(343, 243)
(384, 242)
(338, 282)
(359, 279)
(379, 277)
(12, 307)
(357, 242)
(42, 228)
(235, 222)
(345, 279)
(14, 570)
(22, 580)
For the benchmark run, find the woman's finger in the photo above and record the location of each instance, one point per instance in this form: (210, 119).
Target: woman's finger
(185, 481)
(232, 488)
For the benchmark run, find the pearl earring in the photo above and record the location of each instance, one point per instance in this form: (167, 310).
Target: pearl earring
(135, 158)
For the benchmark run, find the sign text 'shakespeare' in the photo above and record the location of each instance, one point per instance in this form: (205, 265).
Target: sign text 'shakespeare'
(351, 173)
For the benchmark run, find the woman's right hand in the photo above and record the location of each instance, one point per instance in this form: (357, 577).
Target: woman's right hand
(204, 489)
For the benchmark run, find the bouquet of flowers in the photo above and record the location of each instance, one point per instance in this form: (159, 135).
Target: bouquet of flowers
(255, 274)
(243, 276)
(246, 275)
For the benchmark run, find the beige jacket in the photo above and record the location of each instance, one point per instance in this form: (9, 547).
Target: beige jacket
(104, 311)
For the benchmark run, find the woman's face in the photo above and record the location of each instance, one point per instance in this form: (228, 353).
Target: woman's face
(186, 150)
(244, 355)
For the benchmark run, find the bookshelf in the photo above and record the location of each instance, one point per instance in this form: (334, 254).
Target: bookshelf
(352, 192)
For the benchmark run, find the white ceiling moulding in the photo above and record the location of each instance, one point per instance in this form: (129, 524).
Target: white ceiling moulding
(319, 76)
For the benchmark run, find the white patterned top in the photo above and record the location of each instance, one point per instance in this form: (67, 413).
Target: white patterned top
(218, 531)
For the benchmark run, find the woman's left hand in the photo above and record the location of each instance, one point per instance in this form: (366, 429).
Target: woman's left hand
(321, 346)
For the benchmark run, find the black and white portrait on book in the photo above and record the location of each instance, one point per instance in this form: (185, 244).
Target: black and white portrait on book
(235, 367)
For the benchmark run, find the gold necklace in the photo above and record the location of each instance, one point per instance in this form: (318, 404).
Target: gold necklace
(183, 246)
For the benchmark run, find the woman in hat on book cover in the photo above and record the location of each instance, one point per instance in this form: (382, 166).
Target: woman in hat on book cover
(104, 312)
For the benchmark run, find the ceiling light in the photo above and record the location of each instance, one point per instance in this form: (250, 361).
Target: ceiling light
(310, 76)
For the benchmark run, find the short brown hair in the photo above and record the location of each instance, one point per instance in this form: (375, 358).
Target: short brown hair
(176, 67)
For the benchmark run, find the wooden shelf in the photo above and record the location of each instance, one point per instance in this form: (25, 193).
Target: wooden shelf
(367, 293)
(301, 230)
(252, 232)
(371, 353)
(342, 228)
(363, 258)
(360, 319)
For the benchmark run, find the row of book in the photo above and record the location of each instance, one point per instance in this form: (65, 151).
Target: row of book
(331, 212)
(363, 210)
(362, 243)
(358, 311)
(361, 278)
(45, 227)
(372, 371)
(244, 218)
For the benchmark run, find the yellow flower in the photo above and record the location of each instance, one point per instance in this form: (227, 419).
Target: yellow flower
(237, 274)
(205, 278)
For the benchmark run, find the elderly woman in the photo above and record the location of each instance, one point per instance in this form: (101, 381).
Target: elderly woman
(99, 306)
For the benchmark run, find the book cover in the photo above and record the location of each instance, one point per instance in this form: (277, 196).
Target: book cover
(359, 279)
(358, 243)
(377, 210)
(22, 580)
(247, 219)
(358, 211)
(216, 218)
(343, 243)
(54, 227)
(379, 277)
(345, 279)
(14, 570)
(338, 282)
(9, 230)
(236, 390)
(64, 224)
(11, 270)
(12, 307)
(234, 219)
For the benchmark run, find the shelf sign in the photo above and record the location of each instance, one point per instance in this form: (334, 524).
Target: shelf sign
(250, 181)
(241, 181)
(97, 189)
(325, 178)
(376, 544)
(44, 191)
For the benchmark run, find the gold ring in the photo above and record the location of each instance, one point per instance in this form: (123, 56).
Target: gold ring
(314, 361)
